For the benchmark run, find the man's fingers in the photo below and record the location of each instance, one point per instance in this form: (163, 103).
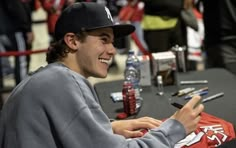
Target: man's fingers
(194, 102)
(150, 120)
(143, 125)
(133, 134)
(199, 108)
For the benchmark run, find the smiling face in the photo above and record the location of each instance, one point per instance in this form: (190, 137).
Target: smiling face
(93, 55)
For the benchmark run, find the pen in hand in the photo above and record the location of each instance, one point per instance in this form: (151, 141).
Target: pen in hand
(177, 105)
(213, 97)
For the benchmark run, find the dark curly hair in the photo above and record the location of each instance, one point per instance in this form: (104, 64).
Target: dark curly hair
(59, 49)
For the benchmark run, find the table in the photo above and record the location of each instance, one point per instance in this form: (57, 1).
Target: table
(219, 80)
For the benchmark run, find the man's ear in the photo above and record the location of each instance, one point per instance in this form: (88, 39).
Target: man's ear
(71, 41)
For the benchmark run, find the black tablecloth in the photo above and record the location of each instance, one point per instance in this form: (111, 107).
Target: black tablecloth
(219, 80)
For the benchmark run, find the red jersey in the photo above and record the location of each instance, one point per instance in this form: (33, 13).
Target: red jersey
(211, 132)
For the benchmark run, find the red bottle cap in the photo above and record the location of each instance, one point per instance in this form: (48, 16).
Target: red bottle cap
(121, 115)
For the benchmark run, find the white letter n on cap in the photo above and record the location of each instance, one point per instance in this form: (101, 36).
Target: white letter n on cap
(108, 14)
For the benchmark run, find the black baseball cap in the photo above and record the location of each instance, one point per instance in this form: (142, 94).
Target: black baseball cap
(86, 16)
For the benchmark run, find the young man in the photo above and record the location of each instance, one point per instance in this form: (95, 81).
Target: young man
(56, 107)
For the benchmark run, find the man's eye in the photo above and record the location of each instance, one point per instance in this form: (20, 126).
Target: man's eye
(105, 40)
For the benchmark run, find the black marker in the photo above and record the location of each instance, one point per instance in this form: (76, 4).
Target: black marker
(179, 106)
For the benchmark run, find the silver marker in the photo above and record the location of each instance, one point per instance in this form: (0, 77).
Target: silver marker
(212, 97)
(194, 82)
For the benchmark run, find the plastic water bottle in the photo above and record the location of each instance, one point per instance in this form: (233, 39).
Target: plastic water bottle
(133, 59)
(131, 74)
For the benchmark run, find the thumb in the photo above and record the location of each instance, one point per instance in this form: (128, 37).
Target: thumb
(133, 134)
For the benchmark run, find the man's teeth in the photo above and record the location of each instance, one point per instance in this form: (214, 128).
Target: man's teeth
(105, 61)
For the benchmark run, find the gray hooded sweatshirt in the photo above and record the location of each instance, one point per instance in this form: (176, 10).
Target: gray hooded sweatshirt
(58, 108)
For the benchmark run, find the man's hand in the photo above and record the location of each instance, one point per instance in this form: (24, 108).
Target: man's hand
(189, 115)
(131, 128)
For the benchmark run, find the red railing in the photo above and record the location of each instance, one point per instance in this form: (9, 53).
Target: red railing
(20, 53)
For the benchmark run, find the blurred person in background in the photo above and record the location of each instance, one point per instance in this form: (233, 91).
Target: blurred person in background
(16, 33)
(133, 13)
(162, 25)
(219, 18)
(53, 9)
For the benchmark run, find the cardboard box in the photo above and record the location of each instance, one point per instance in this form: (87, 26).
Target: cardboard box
(164, 64)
